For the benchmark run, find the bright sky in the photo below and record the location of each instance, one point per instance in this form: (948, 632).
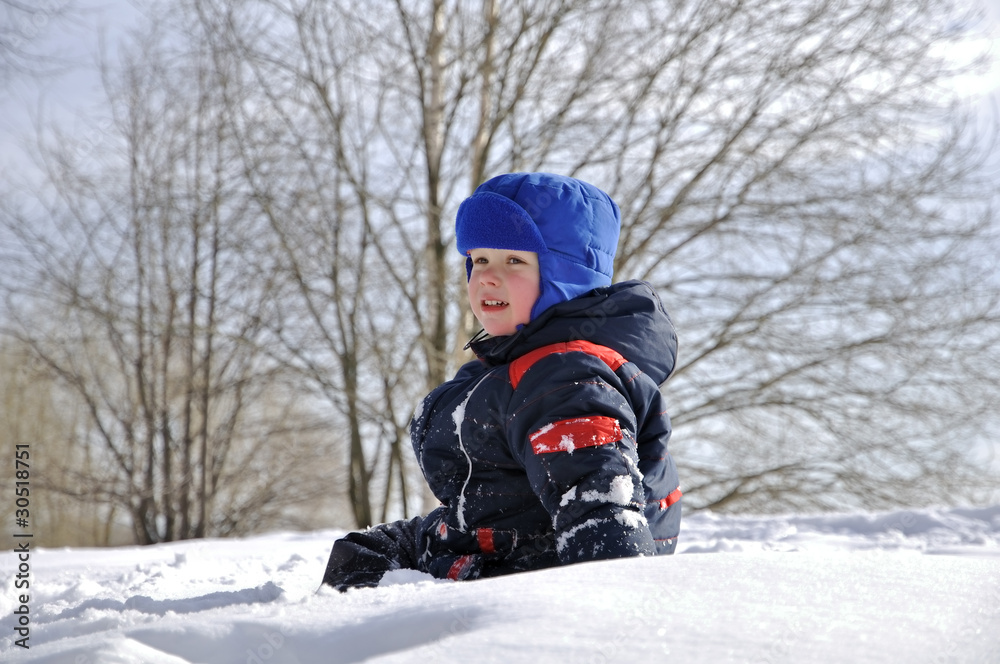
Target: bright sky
(75, 87)
(102, 23)
(986, 84)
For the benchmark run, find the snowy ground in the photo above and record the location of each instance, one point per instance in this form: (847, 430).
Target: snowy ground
(911, 586)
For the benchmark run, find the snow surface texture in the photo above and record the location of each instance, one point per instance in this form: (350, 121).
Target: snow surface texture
(907, 586)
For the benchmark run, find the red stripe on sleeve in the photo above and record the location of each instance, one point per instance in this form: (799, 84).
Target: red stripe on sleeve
(568, 435)
(458, 568)
(485, 537)
(674, 496)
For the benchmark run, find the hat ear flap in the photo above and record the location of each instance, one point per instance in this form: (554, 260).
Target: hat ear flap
(468, 268)
(539, 306)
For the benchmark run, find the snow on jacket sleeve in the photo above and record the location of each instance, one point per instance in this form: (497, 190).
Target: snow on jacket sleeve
(573, 428)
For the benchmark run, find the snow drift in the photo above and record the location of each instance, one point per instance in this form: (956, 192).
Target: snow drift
(906, 586)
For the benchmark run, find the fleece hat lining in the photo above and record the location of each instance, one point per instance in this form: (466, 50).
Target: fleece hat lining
(489, 220)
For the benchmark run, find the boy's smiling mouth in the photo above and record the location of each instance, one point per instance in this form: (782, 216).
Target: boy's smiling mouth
(494, 304)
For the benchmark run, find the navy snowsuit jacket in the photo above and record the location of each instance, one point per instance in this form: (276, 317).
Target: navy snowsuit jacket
(549, 449)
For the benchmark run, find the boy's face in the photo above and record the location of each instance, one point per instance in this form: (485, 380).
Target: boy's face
(503, 288)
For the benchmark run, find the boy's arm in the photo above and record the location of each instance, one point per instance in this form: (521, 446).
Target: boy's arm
(574, 430)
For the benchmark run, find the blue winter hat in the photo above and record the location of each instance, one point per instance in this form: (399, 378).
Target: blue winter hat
(573, 227)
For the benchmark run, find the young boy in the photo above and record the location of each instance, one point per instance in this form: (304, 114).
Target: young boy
(551, 448)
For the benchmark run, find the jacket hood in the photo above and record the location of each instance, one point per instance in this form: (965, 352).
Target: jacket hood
(573, 227)
(628, 317)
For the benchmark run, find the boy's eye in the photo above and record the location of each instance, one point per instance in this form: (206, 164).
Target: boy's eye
(511, 260)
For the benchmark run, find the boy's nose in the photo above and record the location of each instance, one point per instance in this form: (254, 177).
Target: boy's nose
(489, 276)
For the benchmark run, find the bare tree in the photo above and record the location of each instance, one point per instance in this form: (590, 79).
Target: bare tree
(796, 179)
(820, 237)
(139, 256)
(22, 25)
(356, 304)
(38, 414)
